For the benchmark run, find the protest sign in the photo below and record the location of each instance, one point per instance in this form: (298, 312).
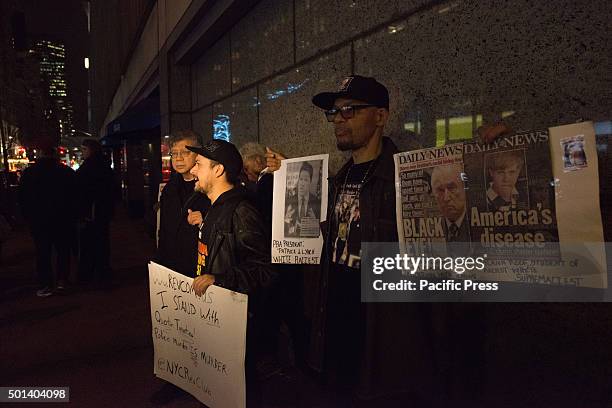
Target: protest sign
(299, 206)
(199, 342)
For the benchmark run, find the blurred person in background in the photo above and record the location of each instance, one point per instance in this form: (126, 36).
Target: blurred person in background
(45, 197)
(96, 207)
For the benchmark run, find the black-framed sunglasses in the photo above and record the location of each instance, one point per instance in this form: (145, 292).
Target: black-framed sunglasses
(347, 112)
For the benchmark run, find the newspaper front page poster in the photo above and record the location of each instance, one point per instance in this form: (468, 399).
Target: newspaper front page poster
(536, 218)
(199, 342)
(430, 199)
(511, 195)
(299, 206)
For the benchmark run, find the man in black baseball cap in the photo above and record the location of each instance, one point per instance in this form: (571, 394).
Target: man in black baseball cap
(218, 166)
(359, 110)
(220, 152)
(361, 208)
(233, 247)
(357, 87)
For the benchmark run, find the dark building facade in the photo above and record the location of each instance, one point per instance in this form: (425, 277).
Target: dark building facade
(247, 70)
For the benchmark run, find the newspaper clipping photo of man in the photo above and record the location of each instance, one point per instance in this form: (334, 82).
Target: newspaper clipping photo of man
(303, 199)
(299, 207)
(431, 202)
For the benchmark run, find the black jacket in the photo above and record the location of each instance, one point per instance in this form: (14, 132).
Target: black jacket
(47, 195)
(96, 185)
(378, 223)
(238, 248)
(395, 346)
(177, 246)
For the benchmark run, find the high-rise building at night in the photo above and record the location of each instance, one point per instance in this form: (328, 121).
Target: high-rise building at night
(52, 56)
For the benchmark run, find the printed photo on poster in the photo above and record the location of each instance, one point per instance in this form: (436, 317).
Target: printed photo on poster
(448, 189)
(431, 201)
(574, 156)
(507, 182)
(511, 200)
(303, 199)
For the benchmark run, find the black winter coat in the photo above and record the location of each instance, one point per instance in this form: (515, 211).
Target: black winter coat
(48, 195)
(178, 241)
(96, 184)
(396, 334)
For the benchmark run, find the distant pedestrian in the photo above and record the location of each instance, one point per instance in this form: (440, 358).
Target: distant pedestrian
(96, 206)
(46, 197)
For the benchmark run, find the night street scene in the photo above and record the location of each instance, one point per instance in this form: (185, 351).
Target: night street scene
(306, 203)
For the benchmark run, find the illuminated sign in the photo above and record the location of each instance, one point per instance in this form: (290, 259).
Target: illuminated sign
(221, 128)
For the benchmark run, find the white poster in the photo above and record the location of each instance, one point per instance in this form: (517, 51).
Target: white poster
(300, 205)
(576, 173)
(199, 342)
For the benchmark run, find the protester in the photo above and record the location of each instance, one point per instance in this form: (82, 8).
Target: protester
(45, 194)
(286, 299)
(181, 212)
(259, 178)
(95, 191)
(233, 248)
(368, 348)
(179, 204)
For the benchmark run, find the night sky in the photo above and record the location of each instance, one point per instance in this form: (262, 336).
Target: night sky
(64, 21)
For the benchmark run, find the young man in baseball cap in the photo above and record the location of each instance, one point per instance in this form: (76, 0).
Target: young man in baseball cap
(233, 247)
(241, 262)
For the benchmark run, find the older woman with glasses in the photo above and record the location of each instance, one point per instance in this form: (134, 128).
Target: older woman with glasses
(180, 205)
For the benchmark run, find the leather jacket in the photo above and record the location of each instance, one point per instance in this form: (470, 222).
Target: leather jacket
(238, 246)
(177, 247)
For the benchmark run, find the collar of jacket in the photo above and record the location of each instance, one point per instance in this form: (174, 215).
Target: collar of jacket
(176, 179)
(236, 193)
(384, 168)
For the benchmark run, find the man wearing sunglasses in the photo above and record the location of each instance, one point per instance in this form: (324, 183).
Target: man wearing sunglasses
(380, 351)
(355, 345)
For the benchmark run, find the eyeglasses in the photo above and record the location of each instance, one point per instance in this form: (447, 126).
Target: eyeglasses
(181, 154)
(347, 112)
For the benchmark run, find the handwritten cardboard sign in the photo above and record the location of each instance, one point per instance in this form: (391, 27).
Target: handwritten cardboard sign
(199, 342)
